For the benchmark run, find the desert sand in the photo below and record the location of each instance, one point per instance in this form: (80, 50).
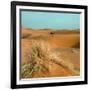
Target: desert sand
(50, 53)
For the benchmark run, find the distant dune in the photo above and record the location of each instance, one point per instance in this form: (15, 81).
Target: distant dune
(62, 38)
(31, 32)
(66, 32)
(47, 31)
(64, 42)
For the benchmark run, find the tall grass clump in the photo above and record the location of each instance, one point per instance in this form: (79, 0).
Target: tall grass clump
(39, 53)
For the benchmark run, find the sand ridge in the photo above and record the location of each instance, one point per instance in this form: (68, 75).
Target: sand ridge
(66, 43)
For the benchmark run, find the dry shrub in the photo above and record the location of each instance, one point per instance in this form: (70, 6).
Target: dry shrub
(39, 52)
(36, 56)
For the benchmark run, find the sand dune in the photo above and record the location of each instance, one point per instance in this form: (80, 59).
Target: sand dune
(58, 39)
(30, 32)
(66, 43)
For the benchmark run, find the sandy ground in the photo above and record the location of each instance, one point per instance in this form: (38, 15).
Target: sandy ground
(65, 43)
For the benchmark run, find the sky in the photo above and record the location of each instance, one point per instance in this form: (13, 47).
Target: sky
(50, 20)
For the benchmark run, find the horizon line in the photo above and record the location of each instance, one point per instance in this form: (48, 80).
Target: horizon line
(49, 28)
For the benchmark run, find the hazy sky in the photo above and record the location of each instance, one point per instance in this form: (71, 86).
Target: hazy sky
(51, 20)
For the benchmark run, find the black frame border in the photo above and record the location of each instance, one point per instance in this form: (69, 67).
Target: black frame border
(13, 44)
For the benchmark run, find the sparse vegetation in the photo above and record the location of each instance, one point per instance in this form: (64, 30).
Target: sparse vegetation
(36, 55)
(39, 52)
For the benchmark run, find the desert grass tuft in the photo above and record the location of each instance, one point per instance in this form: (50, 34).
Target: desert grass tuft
(39, 52)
